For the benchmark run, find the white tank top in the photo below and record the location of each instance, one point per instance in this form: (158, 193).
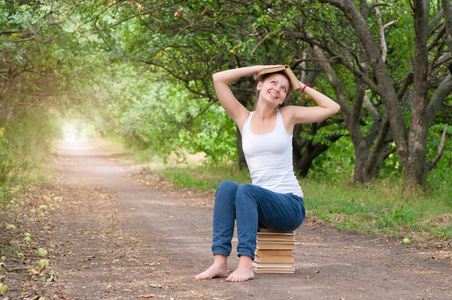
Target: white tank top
(269, 158)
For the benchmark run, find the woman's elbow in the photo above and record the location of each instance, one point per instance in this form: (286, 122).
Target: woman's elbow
(336, 108)
(332, 110)
(217, 76)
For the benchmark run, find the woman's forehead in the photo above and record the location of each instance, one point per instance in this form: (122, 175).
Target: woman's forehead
(281, 78)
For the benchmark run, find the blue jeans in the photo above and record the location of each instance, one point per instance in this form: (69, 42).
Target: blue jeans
(252, 207)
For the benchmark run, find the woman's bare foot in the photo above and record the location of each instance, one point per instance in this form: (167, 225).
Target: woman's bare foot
(217, 269)
(244, 270)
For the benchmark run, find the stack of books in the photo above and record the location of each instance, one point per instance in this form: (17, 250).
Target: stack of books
(274, 252)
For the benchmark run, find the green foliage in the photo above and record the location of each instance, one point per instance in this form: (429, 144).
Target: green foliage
(31, 140)
(5, 154)
(5, 167)
(337, 164)
(47, 75)
(440, 179)
(384, 208)
(204, 177)
(164, 117)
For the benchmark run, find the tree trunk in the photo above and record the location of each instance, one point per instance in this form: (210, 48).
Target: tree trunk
(368, 159)
(415, 170)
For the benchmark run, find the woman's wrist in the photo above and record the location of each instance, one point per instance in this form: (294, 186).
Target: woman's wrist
(257, 68)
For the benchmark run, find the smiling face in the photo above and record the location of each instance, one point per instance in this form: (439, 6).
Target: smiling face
(274, 88)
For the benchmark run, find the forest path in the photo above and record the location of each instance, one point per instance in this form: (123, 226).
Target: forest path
(122, 234)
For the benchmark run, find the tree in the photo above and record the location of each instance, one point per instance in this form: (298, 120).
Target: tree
(191, 40)
(28, 82)
(386, 64)
(46, 68)
(365, 59)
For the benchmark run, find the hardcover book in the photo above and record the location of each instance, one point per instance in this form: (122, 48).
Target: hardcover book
(294, 83)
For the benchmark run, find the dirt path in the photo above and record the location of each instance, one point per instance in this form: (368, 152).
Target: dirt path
(119, 234)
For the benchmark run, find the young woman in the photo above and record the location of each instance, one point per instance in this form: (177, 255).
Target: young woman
(274, 199)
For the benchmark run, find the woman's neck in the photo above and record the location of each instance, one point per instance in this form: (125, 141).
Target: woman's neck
(264, 112)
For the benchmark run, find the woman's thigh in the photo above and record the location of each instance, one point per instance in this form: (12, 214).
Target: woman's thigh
(283, 212)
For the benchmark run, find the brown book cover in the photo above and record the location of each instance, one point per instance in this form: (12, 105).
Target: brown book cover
(275, 271)
(271, 231)
(273, 252)
(283, 234)
(275, 246)
(273, 268)
(269, 237)
(275, 241)
(294, 83)
(274, 259)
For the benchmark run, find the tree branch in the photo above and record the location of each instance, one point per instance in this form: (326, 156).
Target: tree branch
(342, 60)
(193, 117)
(183, 79)
(441, 92)
(433, 163)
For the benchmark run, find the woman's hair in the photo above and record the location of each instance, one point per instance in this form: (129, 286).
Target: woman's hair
(268, 75)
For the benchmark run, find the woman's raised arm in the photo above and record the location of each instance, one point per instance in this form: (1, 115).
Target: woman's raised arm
(231, 105)
(326, 107)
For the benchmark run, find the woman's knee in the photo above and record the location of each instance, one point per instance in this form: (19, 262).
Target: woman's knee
(227, 189)
(246, 189)
(228, 186)
(246, 193)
